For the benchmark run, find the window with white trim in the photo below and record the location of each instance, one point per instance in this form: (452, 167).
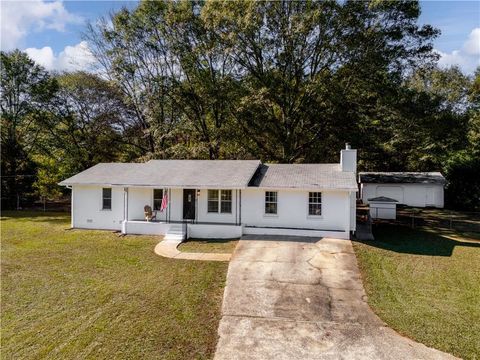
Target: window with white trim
(107, 199)
(219, 201)
(315, 203)
(226, 201)
(157, 198)
(213, 201)
(271, 202)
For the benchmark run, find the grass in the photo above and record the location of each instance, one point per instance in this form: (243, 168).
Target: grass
(425, 283)
(92, 294)
(209, 246)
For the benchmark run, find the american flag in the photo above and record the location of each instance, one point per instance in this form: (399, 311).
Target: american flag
(164, 201)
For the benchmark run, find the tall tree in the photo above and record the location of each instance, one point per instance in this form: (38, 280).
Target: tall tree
(313, 71)
(25, 89)
(87, 123)
(132, 51)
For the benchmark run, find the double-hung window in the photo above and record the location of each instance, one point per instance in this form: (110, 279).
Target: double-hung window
(213, 201)
(315, 203)
(157, 198)
(219, 200)
(107, 199)
(226, 201)
(271, 202)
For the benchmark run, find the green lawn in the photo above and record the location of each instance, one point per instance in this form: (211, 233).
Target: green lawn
(91, 294)
(209, 246)
(425, 284)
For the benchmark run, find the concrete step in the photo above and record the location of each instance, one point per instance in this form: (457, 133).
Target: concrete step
(175, 238)
(176, 232)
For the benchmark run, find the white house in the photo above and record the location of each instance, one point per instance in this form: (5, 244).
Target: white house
(218, 198)
(419, 189)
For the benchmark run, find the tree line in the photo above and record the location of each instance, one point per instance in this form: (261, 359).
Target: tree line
(280, 81)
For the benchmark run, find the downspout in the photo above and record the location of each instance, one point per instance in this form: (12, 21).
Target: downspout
(348, 214)
(236, 206)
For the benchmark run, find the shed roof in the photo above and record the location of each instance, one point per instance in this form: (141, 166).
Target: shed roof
(170, 173)
(401, 177)
(304, 176)
(382, 199)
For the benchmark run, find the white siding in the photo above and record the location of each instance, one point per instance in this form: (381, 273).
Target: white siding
(293, 210)
(204, 216)
(208, 231)
(337, 213)
(87, 208)
(175, 204)
(419, 195)
(139, 197)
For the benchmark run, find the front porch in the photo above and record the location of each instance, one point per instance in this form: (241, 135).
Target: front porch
(187, 214)
(179, 231)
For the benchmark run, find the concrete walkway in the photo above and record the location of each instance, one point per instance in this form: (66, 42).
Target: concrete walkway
(168, 248)
(303, 298)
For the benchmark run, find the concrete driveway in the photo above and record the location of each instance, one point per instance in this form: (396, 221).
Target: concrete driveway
(303, 298)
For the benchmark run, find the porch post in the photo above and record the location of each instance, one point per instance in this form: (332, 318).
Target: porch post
(125, 210)
(169, 205)
(240, 207)
(72, 213)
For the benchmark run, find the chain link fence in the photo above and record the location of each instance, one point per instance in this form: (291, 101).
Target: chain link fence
(33, 203)
(441, 218)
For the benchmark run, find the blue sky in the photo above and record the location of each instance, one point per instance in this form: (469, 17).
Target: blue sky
(50, 31)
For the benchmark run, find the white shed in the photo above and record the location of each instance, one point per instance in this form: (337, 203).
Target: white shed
(383, 208)
(418, 189)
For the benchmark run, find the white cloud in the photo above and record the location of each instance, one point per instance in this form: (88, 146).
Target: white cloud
(467, 58)
(43, 56)
(72, 58)
(18, 18)
(472, 45)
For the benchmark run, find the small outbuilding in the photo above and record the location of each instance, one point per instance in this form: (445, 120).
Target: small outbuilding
(419, 189)
(383, 208)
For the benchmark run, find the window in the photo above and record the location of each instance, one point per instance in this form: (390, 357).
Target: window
(226, 201)
(220, 200)
(270, 202)
(212, 201)
(157, 198)
(315, 203)
(106, 199)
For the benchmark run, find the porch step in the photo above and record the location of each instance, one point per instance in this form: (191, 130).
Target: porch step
(175, 233)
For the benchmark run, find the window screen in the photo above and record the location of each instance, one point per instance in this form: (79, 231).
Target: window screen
(226, 201)
(212, 201)
(106, 199)
(315, 203)
(270, 202)
(157, 198)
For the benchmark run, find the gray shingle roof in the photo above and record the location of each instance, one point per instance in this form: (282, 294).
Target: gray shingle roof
(402, 177)
(170, 173)
(304, 176)
(216, 174)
